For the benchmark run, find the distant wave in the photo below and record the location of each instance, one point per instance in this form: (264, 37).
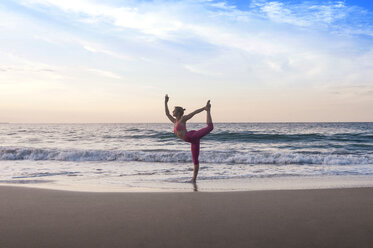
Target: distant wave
(250, 136)
(168, 156)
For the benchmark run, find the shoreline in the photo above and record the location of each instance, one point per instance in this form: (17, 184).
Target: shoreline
(273, 218)
(112, 185)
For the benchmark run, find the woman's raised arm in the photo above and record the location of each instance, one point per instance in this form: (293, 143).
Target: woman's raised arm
(189, 116)
(172, 119)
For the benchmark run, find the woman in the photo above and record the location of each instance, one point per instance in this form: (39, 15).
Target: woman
(193, 136)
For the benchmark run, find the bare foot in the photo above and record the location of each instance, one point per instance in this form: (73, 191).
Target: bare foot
(208, 106)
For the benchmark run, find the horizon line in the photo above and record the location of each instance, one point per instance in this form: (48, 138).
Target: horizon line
(221, 122)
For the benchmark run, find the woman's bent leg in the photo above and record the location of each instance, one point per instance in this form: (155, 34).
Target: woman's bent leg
(202, 132)
(195, 154)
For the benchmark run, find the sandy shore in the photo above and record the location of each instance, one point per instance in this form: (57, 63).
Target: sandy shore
(299, 218)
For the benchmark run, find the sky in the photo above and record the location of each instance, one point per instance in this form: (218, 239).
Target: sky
(91, 61)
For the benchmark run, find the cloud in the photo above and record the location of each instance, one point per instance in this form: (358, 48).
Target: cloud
(303, 14)
(108, 74)
(158, 23)
(98, 48)
(330, 16)
(199, 69)
(20, 64)
(222, 5)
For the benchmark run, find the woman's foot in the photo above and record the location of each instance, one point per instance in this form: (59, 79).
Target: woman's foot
(208, 106)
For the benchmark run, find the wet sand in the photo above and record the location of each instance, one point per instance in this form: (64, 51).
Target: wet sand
(287, 218)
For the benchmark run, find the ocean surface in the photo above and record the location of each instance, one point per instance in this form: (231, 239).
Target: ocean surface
(235, 156)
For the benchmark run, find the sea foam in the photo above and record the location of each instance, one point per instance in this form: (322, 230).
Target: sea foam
(176, 156)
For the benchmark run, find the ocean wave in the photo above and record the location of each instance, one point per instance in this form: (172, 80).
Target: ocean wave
(251, 136)
(177, 156)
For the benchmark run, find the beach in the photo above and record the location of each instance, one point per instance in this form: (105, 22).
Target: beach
(128, 185)
(275, 218)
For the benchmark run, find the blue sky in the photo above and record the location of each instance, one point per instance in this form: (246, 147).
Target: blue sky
(113, 61)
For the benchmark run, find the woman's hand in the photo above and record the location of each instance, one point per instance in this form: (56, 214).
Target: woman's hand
(208, 106)
(166, 98)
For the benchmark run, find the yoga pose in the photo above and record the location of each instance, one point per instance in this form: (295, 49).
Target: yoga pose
(193, 136)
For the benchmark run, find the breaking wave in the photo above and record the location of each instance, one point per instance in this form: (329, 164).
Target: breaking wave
(178, 156)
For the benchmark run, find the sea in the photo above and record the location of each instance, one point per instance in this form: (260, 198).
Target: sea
(137, 157)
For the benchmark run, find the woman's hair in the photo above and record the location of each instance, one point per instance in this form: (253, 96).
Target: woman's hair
(180, 110)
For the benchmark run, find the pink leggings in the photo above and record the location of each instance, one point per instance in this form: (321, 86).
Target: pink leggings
(194, 137)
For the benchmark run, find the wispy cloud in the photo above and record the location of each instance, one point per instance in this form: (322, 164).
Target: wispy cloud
(199, 69)
(222, 5)
(98, 48)
(151, 20)
(303, 14)
(18, 65)
(109, 74)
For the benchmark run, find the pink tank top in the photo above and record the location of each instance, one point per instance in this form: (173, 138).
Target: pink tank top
(179, 127)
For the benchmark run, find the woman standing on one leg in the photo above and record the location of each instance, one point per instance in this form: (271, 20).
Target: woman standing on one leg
(193, 136)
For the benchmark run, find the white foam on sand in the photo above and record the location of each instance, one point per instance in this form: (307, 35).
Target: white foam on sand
(252, 184)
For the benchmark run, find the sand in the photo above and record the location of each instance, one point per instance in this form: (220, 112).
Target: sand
(293, 218)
